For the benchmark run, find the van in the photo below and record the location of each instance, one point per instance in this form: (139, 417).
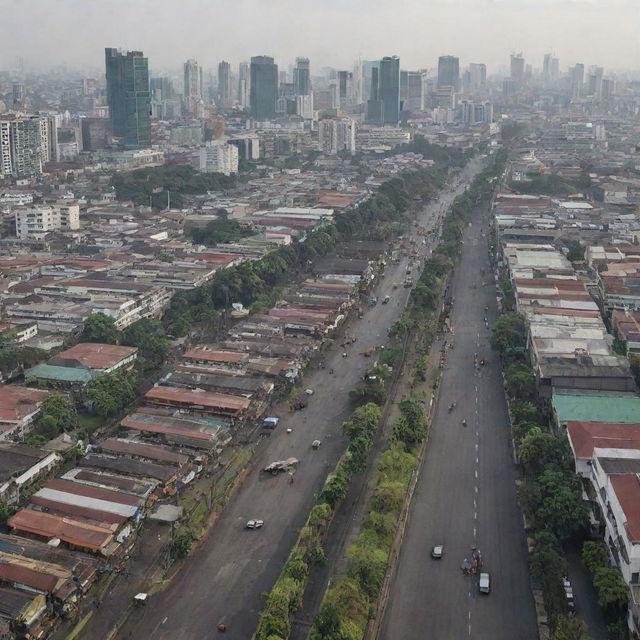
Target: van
(484, 583)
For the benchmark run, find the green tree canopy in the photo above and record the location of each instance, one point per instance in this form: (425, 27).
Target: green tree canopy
(100, 328)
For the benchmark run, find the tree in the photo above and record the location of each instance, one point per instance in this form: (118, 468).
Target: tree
(111, 392)
(612, 590)
(411, 427)
(522, 410)
(520, 381)
(508, 333)
(149, 336)
(61, 409)
(181, 543)
(368, 566)
(594, 555)
(99, 327)
(553, 501)
(569, 628)
(538, 449)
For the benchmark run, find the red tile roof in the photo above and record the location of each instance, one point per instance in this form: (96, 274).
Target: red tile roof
(197, 398)
(212, 355)
(627, 489)
(16, 403)
(94, 355)
(69, 530)
(587, 436)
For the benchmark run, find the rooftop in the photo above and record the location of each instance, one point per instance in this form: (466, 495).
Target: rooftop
(596, 407)
(93, 355)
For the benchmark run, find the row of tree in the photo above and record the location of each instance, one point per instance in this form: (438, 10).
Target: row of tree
(285, 598)
(551, 495)
(347, 605)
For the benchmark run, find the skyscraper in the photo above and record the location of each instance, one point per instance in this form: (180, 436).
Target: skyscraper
(302, 77)
(244, 84)
(345, 91)
(18, 95)
(128, 96)
(192, 86)
(412, 90)
(264, 88)
(477, 76)
(576, 74)
(517, 69)
(449, 72)
(389, 89)
(224, 83)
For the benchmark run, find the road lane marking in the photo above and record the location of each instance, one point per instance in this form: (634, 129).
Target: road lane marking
(476, 488)
(477, 460)
(476, 472)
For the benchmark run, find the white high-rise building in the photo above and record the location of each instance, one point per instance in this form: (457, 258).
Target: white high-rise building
(33, 222)
(244, 84)
(304, 106)
(24, 145)
(336, 135)
(217, 156)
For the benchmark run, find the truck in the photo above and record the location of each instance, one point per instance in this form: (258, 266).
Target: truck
(281, 466)
(270, 422)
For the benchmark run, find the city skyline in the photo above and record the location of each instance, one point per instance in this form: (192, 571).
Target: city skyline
(592, 32)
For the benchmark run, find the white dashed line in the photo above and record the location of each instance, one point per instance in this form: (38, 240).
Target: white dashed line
(476, 473)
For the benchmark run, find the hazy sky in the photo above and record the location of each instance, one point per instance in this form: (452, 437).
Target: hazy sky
(330, 32)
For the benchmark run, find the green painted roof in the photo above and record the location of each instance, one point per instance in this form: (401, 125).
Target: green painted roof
(596, 408)
(61, 374)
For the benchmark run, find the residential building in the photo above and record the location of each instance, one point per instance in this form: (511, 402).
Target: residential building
(264, 88)
(336, 135)
(217, 156)
(24, 146)
(128, 97)
(449, 72)
(35, 221)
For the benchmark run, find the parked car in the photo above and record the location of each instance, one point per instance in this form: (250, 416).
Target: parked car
(437, 552)
(254, 524)
(484, 584)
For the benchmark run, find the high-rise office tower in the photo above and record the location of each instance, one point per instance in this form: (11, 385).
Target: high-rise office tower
(192, 80)
(389, 89)
(576, 74)
(555, 68)
(128, 96)
(264, 88)
(224, 83)
(367, 73)
(449, 72)
(192, 86)
(517, 69)
(302, 77)
(345, 90)
(594, 82)
(412, 90)
(546, 67)
(18, 95)
(244, 84)
(477, 76)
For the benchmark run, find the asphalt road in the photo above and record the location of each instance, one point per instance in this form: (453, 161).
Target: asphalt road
(466, 492)
(224, 578)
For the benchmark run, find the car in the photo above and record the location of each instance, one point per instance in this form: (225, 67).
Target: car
(437, 552)
(254, 524)
(484, 584)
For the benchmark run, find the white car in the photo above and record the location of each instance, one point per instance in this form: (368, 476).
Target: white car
(254, 524)
(484, 584)
(437, 552)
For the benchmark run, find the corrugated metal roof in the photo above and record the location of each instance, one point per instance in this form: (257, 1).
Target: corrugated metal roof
(143, 450)
(62, 374)
(596, 407)
(69, 530)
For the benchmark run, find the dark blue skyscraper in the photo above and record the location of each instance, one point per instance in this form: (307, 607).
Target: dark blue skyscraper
(449, 72)
(264, 88)
(128, 96)
(389, 89)
(302, 77)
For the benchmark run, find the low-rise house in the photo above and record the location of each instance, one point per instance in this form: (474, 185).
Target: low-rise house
(21, 466)
(198, 401)
(19, 406)
(96, 357)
